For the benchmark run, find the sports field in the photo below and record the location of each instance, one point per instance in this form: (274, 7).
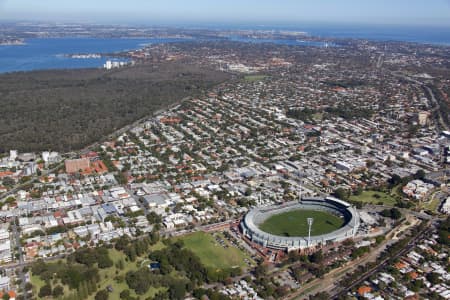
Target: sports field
(374, 197)
(214, 250)
(294, 223)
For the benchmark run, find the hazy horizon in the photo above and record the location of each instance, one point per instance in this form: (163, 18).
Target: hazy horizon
(433, 13)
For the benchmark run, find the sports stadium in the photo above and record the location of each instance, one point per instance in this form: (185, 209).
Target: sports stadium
(275, 226)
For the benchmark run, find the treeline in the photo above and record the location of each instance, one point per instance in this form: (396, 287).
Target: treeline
(304, 115)
(91, 256)
(266, 285)
(66, 110)
(179, 272)
(350, 112)
(347, 112)
(396, 179)
(444, 232)
(141, 280)
(350, 83)
(174, 257)
(444, 107)
(80, 273)
(392, 213)
(390, 251)
(135, 248)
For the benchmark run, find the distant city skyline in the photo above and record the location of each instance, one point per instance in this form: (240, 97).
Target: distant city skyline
(258, 12)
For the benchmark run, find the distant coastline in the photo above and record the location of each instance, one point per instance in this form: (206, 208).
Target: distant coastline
(60, 51)
(12, 42)
(436, 36)
(84, 56)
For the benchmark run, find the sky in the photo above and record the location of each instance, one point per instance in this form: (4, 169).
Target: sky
(260, 12)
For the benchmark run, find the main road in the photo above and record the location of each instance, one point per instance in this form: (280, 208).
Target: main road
(17, 245)
(340, 291)
(329, 282)
(436, 105)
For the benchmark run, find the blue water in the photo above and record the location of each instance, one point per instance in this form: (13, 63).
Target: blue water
(49, 53)
(415, 34)
(437, 35)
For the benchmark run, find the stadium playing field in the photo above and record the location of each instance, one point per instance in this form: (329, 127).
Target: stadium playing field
(293, 223)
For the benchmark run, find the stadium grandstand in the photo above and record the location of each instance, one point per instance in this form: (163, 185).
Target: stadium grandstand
(250, 225)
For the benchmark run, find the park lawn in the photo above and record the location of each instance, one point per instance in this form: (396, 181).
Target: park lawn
(245, 254)
(158, 246)
(37, 283)
(369, 197)
(253, 78)
(211, 253)
(432, 205)
(317, 116)
(294, 223)
(107, 277)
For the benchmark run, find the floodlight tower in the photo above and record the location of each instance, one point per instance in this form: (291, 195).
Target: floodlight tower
(300, 191)
(310, 222)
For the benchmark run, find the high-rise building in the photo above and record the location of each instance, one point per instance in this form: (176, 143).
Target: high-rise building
(13, 154)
